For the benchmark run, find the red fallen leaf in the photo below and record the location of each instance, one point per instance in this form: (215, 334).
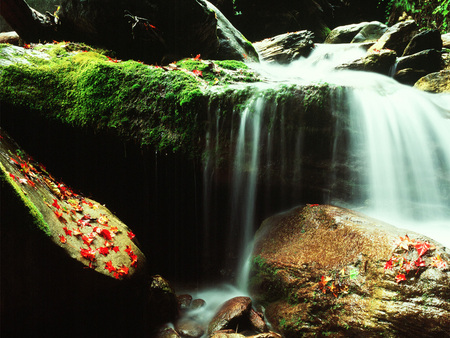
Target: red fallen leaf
(88, 254)
(24, 167)
(55, 204)
(400, 277)
(82, 223)
(62, 239)
(129, 250)
(67, 231)
(110, 267)
(388, 265)
(197, 72)
(106, 234)
(12, 176)
(421, 247)
(197, 57)
(13, 160)
(323, 282)
(245, 56)
(31, 183)
(116, 249)
(438, 262)
(26, 46)
(77, 232)
(104, 251)
(420, 262)
(59, 215)
(131, 235)
(114, 229)
(124, 269)
(134, 260)
(87, 240)
(313, 205)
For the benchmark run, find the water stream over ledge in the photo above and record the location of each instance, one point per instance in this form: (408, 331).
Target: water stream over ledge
(382, 145)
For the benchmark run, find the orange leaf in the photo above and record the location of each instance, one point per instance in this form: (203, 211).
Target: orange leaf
(422, 247)
(197, 57)
(62, 239)
(400, 277)
(131, 235)
(110, 267)
(88, 254)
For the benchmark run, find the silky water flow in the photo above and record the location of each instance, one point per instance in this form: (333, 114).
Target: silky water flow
(396, 139)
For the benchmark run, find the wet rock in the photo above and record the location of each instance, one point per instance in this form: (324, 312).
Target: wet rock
(167, 333)
(162, 300)
(377, 61)
(178, 29)
(197, 303)
(409, 76)
(438, 82)
(324, 268)
(371, 32)
(397, 37)
(248, 334)
(285, 48)
(429, 39)
(445, 40)
(428, 60)
(232, 44)
(184, 301)
(359, 32)
(257, 321)
(9, 37)
(231, 314)
(189, 328)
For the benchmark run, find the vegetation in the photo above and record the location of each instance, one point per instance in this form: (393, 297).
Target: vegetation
(427, 13)
(76, 84)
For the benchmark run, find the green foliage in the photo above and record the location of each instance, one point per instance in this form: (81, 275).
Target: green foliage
(427, 13)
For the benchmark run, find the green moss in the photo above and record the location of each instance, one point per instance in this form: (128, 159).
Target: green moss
(138, 101)
(231, 64)
(38, 218)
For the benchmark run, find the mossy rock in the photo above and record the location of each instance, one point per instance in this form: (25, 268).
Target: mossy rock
(153, 105)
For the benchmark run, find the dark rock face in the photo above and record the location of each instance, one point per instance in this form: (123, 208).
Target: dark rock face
(154, 31)
(397, 37)
(327, 269)
(378, 62)
(286, 48)
(429, 39)
(412, 67)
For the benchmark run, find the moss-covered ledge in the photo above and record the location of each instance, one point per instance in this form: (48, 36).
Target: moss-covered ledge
(153, 105)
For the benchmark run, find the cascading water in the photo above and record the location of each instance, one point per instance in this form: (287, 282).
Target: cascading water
(382, 149)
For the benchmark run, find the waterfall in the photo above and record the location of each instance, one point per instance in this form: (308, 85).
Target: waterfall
(378, 147)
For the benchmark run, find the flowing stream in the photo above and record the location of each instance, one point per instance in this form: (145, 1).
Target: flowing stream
(392, 140)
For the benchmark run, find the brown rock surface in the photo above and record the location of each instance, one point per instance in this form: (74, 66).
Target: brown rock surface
(322, 269)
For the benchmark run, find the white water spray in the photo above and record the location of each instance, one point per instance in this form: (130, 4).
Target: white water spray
(399, 137)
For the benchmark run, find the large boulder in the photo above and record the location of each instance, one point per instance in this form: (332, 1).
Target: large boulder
(285, 48)
(69, 255)
(376, 61)
(428, 39)
(438, 82)
(154, 31)
(357, 33)
(397, 37)
(323, 269)
(412, 67)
